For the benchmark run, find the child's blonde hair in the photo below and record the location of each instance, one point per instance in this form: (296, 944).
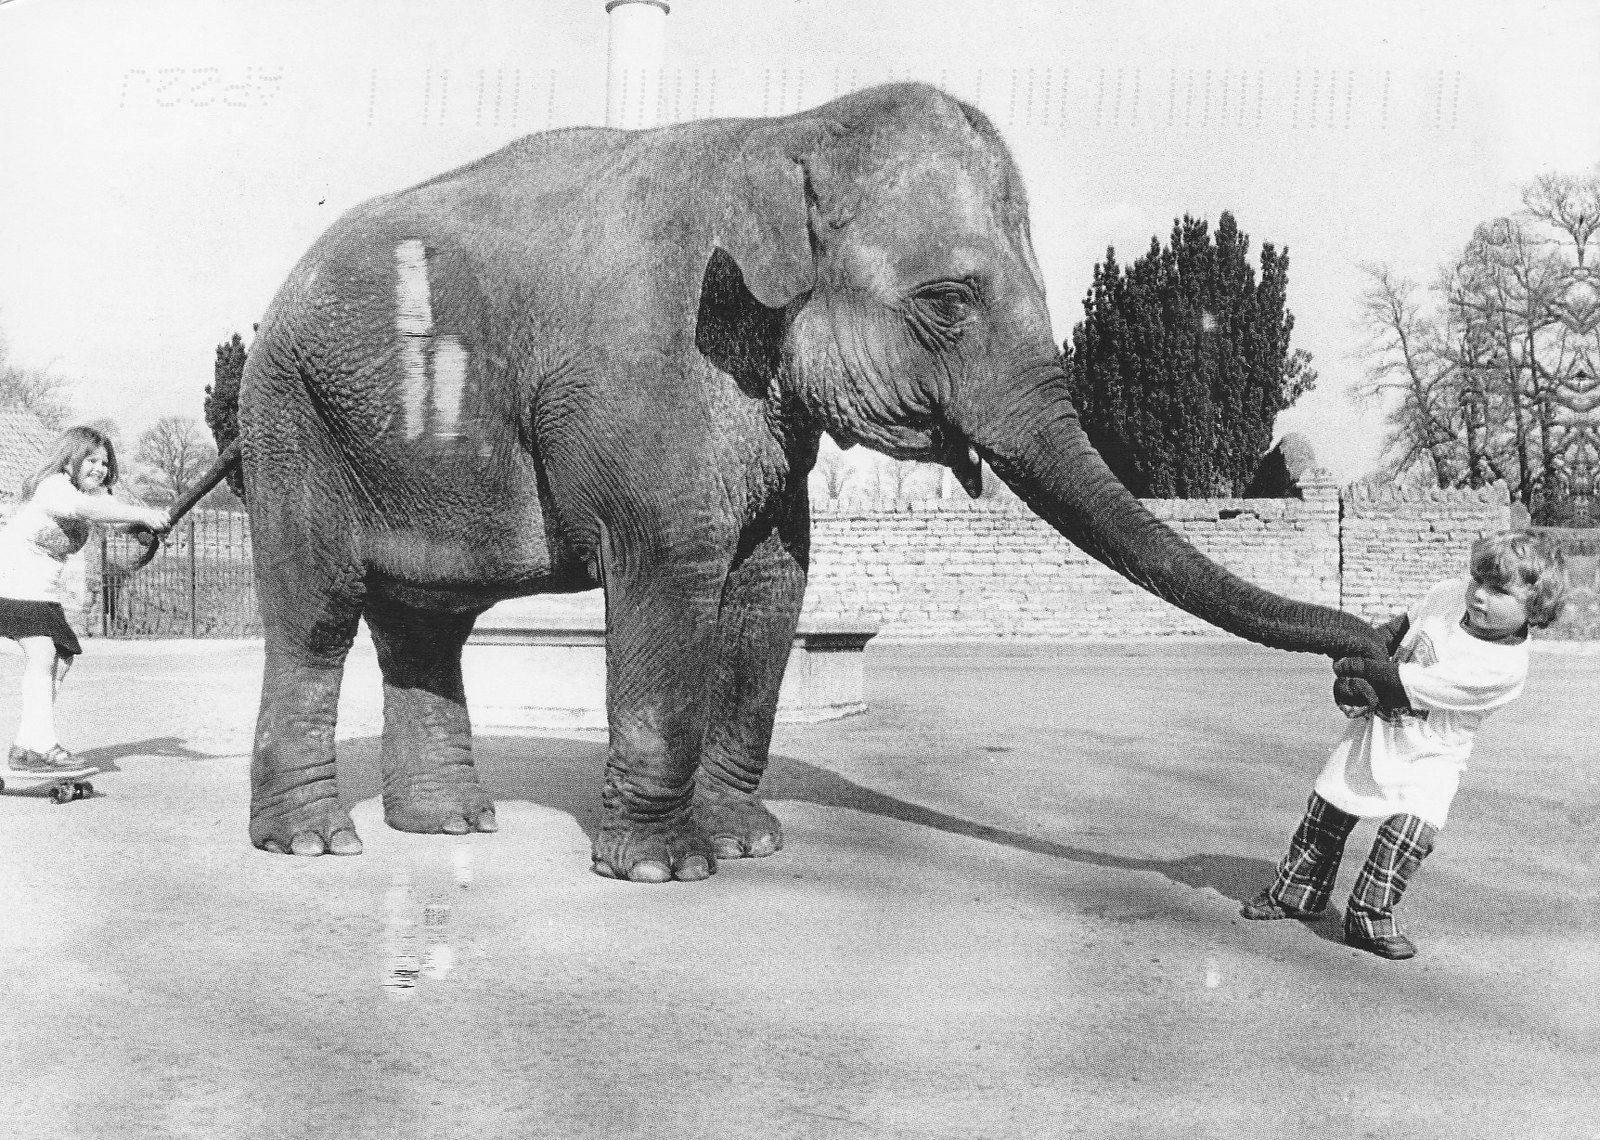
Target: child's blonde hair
(1522, 559)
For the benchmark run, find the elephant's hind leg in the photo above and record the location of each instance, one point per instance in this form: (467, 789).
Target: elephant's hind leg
(429, 783)
(294, 790)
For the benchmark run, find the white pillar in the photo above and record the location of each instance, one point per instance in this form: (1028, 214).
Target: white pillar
(633, 65)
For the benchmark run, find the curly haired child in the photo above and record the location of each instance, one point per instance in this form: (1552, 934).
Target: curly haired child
(1455, 657)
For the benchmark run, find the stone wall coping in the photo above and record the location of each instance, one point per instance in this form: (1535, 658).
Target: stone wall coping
(1231, 508)
(1497, 494)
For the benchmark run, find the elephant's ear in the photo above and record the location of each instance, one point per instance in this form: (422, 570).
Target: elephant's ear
(767, 227)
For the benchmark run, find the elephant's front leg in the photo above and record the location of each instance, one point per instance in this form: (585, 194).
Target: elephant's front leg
(660, 648)
(760, 610)
(429, 784)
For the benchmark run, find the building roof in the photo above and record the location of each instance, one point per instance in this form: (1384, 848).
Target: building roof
(23, 443)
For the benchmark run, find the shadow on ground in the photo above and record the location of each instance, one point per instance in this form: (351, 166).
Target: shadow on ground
(566, 775)
(164, 747)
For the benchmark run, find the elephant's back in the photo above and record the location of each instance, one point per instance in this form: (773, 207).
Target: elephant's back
(576, 190)
(384, 410)
(542, 162)
(427, 314)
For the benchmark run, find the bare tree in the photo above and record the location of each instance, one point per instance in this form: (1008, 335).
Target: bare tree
(889, 478)
(171, 454)
(1491, 375)
(832, 472)
(1409, 373)
(1568, 204)
(38, 390)
(903, 480)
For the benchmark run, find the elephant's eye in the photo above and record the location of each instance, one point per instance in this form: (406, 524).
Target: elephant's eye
(948, 302)
(939, 312)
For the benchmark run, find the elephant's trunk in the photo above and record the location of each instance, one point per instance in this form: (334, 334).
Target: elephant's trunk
(1033, 440)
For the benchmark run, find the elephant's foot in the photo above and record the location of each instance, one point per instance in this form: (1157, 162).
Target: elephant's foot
(739, 824)
(453, 809)
(654, 853)
(321, 829)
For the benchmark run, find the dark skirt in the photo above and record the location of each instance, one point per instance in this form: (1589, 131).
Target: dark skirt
(20, 618)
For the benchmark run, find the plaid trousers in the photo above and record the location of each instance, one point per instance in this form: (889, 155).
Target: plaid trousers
(1306, 875)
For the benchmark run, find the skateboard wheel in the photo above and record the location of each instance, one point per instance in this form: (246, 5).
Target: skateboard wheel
(83, 789)
(61, 793)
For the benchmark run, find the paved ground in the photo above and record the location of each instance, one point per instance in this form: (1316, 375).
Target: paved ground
(1007, 908)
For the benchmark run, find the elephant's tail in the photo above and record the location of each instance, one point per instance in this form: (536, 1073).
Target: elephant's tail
(222, 414)
(227, 466)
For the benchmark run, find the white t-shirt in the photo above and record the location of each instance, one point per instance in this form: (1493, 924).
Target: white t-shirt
(39, 537)
(1412, 763)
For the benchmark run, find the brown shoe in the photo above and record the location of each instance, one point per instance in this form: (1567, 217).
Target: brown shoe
(1264, 907)
(1395, 947)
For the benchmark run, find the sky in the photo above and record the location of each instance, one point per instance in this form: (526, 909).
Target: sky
(164, 163)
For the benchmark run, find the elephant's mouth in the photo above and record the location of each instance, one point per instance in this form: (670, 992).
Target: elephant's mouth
(956, 453)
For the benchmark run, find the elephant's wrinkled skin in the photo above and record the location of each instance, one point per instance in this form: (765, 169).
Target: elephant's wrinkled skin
(605, 358)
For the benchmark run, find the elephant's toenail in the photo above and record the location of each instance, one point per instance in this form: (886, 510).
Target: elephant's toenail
(306, 844)
(693, 869)
(763, 846)
(345, 843)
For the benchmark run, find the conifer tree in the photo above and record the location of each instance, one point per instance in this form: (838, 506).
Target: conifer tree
(1182, 362)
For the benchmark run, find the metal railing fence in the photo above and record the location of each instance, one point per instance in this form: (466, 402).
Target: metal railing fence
(202, 584)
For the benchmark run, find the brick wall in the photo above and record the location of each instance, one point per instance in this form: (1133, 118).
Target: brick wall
(952, 568)
(1398, 542)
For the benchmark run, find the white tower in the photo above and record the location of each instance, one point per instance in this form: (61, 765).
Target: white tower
(633, 66)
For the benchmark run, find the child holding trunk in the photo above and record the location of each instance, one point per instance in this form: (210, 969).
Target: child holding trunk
(1456, 656)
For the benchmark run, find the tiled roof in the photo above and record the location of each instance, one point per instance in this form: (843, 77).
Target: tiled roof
(23, 443)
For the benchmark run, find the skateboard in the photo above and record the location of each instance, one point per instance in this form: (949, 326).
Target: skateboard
(61, 787)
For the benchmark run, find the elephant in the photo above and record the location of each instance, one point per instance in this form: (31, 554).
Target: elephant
(605, 359)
